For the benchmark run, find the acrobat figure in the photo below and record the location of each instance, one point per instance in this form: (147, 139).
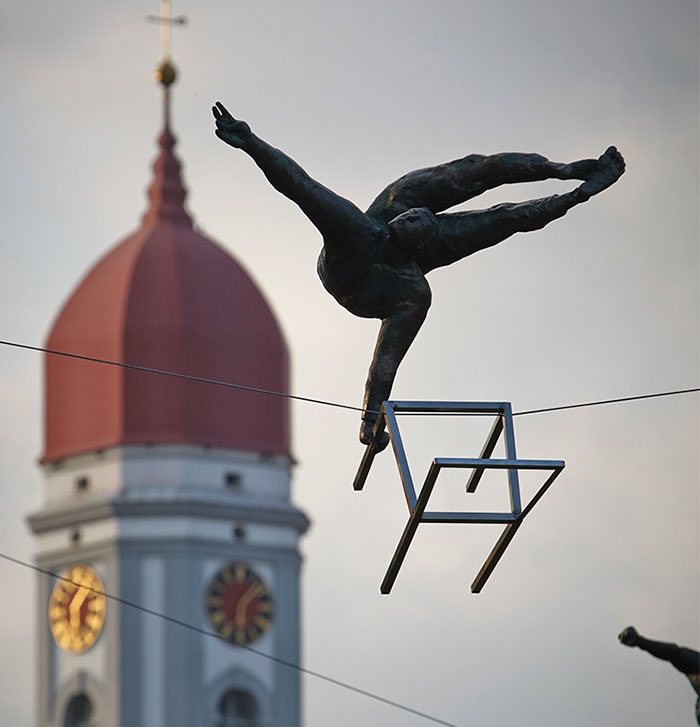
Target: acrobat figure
(684, 659)
(374, 263)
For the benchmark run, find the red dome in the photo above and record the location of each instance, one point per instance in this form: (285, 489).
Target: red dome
(166, 298)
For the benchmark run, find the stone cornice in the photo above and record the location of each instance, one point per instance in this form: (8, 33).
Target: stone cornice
(251, 512)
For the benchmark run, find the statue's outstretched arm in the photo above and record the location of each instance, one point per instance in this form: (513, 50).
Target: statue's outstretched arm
(396, 335)
(684, 659)
(322, 206)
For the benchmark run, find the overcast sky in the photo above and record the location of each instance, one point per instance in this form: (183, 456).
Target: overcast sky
(600, 304)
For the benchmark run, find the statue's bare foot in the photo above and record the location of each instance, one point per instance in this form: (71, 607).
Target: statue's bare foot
(611, 167)
(582, 169)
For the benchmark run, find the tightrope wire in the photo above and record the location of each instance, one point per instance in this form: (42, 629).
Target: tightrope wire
(607, 401)
(311, 400)
(173, 374)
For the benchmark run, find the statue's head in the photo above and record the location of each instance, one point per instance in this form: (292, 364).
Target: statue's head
(413, 228)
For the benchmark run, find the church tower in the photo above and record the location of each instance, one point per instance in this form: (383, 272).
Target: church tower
(167, 495)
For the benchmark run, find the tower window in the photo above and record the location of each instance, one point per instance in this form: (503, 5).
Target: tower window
(239, 532)
(233, 480)
(82, 483)
(238, 708)
(78, 712)
(75, 537)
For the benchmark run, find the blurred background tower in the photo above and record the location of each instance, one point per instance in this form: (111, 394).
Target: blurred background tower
(165, 492)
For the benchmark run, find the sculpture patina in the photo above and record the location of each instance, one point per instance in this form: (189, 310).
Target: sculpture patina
(684, 659)
(374, 263)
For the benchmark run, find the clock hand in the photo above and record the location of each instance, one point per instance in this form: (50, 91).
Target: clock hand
(76, 604)
(244, 602)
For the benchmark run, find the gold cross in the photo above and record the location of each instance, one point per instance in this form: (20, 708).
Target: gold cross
(166, 22)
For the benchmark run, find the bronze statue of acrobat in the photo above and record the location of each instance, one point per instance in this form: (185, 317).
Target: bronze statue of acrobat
(374, 263)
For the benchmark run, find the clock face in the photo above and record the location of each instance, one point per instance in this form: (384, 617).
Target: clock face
(239, 606)
(77, 609)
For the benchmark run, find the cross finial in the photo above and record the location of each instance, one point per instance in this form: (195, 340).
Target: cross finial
(165, 73)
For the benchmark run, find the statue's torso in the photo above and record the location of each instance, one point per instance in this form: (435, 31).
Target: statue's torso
(373, 283)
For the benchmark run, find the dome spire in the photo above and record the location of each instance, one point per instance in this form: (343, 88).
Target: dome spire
(167, 192)
(166, 73)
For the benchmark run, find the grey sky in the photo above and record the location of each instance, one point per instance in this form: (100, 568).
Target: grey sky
(603, 303)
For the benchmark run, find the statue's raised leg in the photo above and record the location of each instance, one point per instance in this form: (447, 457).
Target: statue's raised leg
(464, 233)
(446, 185)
